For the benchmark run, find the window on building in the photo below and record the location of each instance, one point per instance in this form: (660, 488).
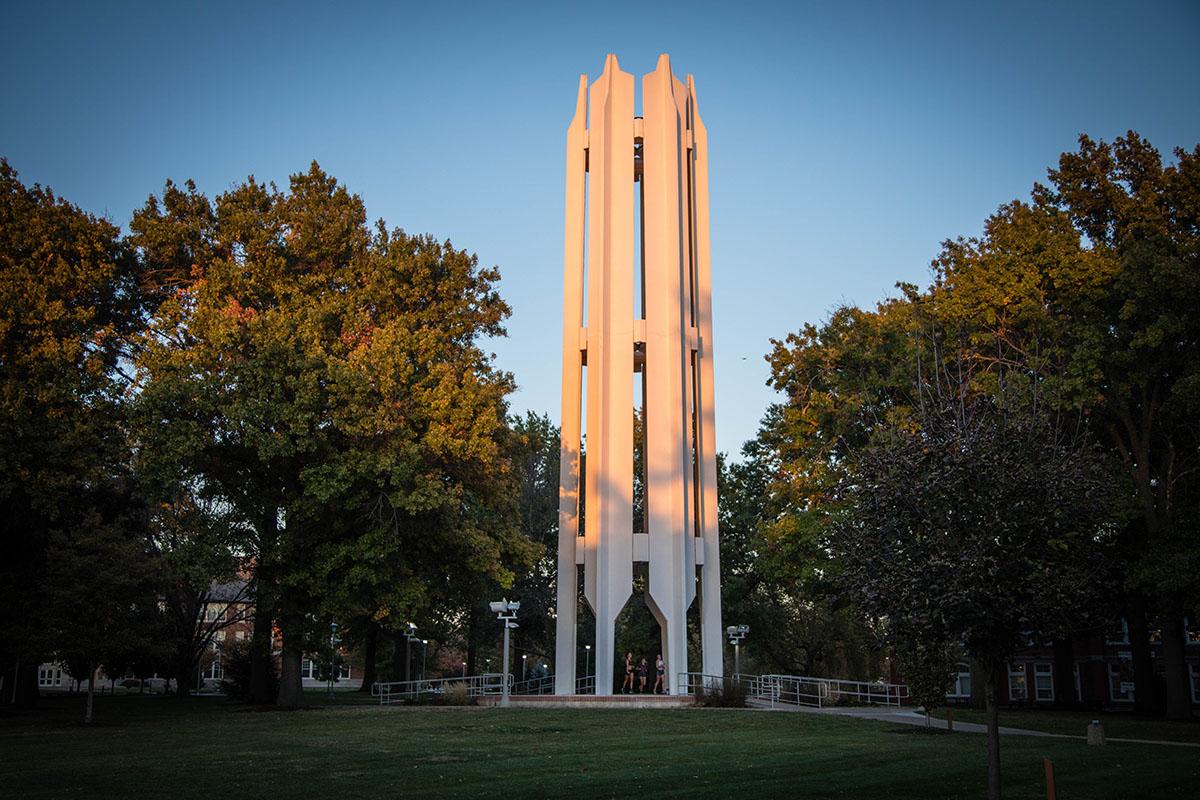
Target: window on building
(1117, 633)
(1043, 681)
(49, 675)
(1191, 631)
(308, 669)
(214, 671)
(962, 682)
(344, 672)
(1120, 681)
(239, 635)
(1017, 688)
(214, 613)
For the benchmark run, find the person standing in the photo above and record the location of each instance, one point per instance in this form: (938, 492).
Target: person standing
(660, 669)
(627, 686)
(642, 676)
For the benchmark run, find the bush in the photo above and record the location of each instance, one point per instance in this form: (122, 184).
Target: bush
(236, 660)
(728, 694)
(457, 694)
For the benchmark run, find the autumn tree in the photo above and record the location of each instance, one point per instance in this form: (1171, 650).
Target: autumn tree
(69, 296)
(326, 381)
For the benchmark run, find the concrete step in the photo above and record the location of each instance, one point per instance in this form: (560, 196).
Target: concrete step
(593, 701)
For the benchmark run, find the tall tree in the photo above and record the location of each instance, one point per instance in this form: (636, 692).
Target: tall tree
(69, 296)
(1143, 218)
(328, 382)
(989, 520)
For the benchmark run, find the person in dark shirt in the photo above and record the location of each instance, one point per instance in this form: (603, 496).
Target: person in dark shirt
(642, 676)
(627, 686)
(660, 669)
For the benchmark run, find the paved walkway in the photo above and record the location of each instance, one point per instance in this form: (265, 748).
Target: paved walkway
(902, 717)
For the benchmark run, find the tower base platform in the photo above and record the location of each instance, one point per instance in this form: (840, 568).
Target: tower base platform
(593, 701)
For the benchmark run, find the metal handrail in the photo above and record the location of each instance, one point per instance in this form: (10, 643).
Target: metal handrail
(808, 690)
(477, 685)
(585, 684)
(542, 685)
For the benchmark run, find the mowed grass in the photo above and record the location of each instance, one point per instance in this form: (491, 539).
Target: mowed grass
(144, 747)
(1075, 723)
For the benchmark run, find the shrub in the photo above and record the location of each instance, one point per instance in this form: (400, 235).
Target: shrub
(236, 683)
(457, 694)
(727, 694)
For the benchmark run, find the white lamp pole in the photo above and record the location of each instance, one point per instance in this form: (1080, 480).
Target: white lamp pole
(505, 611)
(736, 633)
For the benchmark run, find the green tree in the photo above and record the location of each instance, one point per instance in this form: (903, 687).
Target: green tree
(326, 381)
(100, 592)
(1142, 218)
(69, 296)
(929, 668)
(990, 519)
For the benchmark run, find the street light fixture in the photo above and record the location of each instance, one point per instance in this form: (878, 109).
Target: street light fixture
(587, 664)
(424, 643)
(505, 611)
(410, 635)
(736, 633)
(523, 658)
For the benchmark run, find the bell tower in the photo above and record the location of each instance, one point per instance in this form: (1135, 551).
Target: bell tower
(637, 299)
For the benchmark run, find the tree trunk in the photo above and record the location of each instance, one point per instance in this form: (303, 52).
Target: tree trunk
(397, 667)
(1179, 689)
(291, 684)
(370, 650)
(23, 692)
(87, 715)
(472, 644)
(261, 662)
(993, 734)
(262, 665)
(184, 665)
(1064, 674)
(978, 680)
(1146, 698)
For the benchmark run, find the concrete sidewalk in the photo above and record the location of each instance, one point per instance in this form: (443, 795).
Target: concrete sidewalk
(902, 717)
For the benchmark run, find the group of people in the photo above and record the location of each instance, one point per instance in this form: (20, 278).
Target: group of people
(660, 669)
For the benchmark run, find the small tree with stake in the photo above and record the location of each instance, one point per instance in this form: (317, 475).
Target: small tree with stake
(928, 669)
(990, 519)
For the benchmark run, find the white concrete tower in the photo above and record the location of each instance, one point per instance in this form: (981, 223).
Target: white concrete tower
(664, 156)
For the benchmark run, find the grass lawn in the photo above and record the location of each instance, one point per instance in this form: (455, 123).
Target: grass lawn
(152, 747)
(1118, 724)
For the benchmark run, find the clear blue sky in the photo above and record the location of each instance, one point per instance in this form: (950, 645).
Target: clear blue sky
(847, 140)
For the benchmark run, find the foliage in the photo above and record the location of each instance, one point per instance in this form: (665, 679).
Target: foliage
(1084, 298)
(69, 295)
(929, 669)
(99, 587)
(236, 661)
(325, 381)
(457, 694)
(729, 693)
(985, 523)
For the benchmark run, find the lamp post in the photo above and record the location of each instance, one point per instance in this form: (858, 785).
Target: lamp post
(424, 643)
(464, 669)
(505, 611)
(587, 664)
(523, 658)
(332, 658)
(409, 635)
(736, 633)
